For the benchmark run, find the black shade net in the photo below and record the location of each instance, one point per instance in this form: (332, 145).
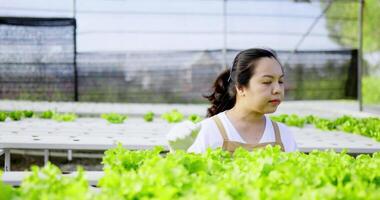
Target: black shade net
(38, 60)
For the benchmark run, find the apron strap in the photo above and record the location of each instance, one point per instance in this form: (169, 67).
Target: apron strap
(277, 135)
(220, 127)
(223, 132)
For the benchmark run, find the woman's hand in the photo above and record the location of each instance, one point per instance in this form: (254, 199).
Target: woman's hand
(182, 135)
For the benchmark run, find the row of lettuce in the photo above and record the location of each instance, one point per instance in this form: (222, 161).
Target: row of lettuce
(49, 114)
(264, 173)
(369, 126)
(173, 116)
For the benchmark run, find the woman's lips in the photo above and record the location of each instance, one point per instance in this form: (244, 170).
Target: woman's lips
(275, 102)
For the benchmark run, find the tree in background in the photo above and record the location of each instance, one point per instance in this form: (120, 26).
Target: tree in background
(342, 20)
(342, 23)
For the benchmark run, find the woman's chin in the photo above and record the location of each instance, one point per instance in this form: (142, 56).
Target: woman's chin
(271, 110)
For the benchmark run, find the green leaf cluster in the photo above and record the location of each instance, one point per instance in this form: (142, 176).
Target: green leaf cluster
(7, 191)
(65, 117)
(47, 114)
(195, 118)
(28, 113)
(48, 183)
(291, 120)
(149, 116)
(114, 118)
(16, 115)
(173, 116)
(3, 116)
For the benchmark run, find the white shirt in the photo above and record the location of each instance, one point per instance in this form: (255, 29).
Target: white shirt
(209, 135)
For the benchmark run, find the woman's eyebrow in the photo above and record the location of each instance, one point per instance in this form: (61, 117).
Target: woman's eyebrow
(270, 76)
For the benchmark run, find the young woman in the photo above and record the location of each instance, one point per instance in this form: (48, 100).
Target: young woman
(241, 96)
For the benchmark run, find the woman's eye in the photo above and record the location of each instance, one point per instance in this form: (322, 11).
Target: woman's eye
(267, 82)
(281, 82)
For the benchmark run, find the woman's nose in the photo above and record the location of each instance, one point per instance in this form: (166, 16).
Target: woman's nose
(277, 88)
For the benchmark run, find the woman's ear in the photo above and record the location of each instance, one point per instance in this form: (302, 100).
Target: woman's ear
(240, 90)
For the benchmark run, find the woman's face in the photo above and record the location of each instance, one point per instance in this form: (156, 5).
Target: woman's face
(265, 89)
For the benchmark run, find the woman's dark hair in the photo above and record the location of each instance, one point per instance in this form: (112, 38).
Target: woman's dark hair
(223, 96)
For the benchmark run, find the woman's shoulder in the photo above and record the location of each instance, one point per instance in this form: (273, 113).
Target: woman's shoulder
(208, 127)
(210, 122)
(208, 136)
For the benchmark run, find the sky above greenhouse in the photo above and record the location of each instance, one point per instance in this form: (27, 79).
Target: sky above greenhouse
(122, 25)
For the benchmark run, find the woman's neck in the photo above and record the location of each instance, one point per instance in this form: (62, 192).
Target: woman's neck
(242, 115)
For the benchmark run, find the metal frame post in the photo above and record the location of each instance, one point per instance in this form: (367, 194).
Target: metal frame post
(360, 54)
(7, 160)
(224, 50)
(76, 95)
(46, 156)
(69, 155)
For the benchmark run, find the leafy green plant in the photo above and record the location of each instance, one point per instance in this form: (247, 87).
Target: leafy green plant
(48, 183)
(3, 116)
(15, 115)
(66, 117)
(291, 120)
(310, 119)
(195, 118)
(6, 191)
(114, 118)
(264, 173)
(149, 116)
(28, 113)
(325, 124)
(294, 120)
(279, 118)
(173, 116)
(129, 159)
(364, 126)
(47, 114)
(369, 127)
